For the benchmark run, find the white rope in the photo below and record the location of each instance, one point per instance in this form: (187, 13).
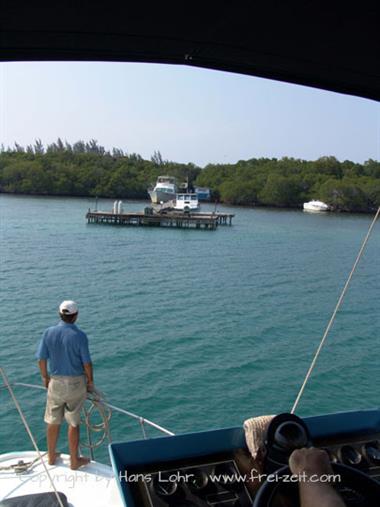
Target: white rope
(21, 466)
(30, 435)
(97, 402)
(338, 305)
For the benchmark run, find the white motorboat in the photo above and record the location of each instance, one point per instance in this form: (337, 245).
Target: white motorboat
(316, 206)
(165, 190)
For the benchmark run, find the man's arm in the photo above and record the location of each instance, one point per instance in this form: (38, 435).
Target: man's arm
(42, 356)
(314, 462)
(42, 363)
(88, 370)
(87, 363)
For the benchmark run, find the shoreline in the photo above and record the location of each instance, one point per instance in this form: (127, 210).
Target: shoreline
(219, 203)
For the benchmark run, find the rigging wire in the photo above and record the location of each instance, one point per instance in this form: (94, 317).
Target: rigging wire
(97, 403)
(331, 321)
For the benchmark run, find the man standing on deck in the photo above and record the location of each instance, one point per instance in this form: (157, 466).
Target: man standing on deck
(65, 346)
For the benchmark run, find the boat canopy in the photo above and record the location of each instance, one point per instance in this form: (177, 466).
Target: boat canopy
(326, 45)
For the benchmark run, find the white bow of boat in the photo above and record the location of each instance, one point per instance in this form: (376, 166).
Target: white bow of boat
(94, 484)
(28, 472)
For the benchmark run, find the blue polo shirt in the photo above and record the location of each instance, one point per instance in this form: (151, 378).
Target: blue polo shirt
(65, 346)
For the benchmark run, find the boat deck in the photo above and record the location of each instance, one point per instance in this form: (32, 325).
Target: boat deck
(93, 484)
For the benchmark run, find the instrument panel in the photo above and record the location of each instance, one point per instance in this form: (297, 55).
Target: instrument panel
(216, 484)
(362, 453)
(351, 438)
(214, 480)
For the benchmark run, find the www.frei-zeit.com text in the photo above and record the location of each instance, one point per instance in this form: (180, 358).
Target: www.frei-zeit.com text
(181, 477)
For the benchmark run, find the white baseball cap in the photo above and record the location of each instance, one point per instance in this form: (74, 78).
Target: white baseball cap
(68, 308)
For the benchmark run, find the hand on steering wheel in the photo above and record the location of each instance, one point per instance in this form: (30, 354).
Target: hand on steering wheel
(310, 468)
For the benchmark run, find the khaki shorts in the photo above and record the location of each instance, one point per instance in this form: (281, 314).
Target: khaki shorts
(65, 398)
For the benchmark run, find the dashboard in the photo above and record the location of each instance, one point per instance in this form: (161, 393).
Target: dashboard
(221, 481)
(362, 453)
(213, 468)
(213, 481)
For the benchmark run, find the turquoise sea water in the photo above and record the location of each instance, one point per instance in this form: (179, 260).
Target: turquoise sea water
(193, 329)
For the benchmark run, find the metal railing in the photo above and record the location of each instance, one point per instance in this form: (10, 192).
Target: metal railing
(105, 410)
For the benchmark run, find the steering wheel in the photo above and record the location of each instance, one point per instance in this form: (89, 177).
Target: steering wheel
(356, 488)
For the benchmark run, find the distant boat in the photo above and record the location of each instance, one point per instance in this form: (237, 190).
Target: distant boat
(203, 193)
(315, 206)
(165, 190)
(186, 202)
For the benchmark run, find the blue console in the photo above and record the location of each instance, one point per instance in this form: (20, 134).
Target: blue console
(133, 460)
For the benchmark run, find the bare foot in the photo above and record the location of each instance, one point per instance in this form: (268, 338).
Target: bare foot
(79, 462)
(52, 459)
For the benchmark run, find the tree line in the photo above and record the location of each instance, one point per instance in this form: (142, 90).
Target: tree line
(83, 169)
(88, 169)
(289, 182)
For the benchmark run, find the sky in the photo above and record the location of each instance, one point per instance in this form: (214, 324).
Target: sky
(188, 114)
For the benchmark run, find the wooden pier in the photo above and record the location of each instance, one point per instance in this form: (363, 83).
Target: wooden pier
(208, 221)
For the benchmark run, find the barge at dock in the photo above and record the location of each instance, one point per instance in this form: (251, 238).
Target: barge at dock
(151, 218)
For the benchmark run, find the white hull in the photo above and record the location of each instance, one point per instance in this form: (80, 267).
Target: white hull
(157, 196)
(315, 206)
(93, 484)
(164, 190)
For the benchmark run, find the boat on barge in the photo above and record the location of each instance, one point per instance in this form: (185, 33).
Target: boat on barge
(164, 190)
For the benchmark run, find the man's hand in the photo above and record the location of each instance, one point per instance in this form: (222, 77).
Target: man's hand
(314, 462)
(311, 461)
(46, 381)
(90, 387)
